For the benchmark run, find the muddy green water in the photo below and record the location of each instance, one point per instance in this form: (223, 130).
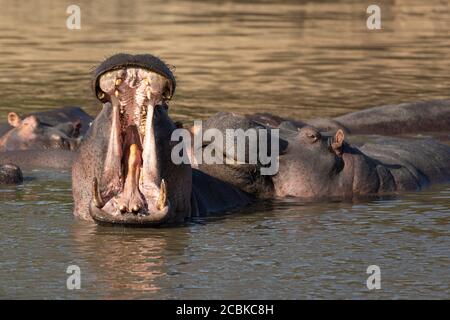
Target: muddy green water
(293, 58)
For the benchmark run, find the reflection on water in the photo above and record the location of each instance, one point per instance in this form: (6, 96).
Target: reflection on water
(295, 58)
(300, 58)
(121, 260)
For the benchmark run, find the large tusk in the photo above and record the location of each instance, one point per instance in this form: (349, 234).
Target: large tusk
(162, 199)
(150, 167)
(112, 172)
(96, 196)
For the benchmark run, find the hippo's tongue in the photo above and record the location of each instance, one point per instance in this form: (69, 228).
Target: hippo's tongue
(130, 199)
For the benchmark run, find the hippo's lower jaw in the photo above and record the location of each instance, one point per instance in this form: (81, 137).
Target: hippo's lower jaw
(130, 219)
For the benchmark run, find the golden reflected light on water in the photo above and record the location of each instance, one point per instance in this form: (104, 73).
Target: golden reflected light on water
(294, 58)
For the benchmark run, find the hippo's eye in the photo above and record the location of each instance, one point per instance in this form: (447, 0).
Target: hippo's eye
(313, 136)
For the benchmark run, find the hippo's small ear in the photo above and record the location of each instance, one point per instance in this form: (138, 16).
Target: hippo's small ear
(338, 141)
(14, 119)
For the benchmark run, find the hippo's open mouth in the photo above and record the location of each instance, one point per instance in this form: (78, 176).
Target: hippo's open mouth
(132, 189)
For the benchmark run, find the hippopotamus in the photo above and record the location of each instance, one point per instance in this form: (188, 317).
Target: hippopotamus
(10, 174)
(54, 129)
(314, 164)
(72, 120)
(123, 173)
(43, 140)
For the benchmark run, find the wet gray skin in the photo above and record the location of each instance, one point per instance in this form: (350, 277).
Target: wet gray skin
(10, 174)
(39, 159)
(123, 173)
(30, 133)
(246, 177)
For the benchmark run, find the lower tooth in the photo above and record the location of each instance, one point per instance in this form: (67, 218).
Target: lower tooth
(98, 201)
(162, 198)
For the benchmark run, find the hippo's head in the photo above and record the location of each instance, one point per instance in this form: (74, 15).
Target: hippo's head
(138, 183)
(312, 165)
(31, 134)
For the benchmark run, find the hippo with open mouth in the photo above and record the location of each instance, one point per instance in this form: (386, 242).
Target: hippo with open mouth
(123, 173)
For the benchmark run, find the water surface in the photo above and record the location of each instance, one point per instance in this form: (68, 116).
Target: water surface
(294, 58)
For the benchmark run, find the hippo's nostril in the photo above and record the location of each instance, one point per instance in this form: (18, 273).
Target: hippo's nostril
(135, 208)
(122, 208)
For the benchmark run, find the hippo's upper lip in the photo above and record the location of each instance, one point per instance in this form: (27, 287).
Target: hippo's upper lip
(143, 61)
